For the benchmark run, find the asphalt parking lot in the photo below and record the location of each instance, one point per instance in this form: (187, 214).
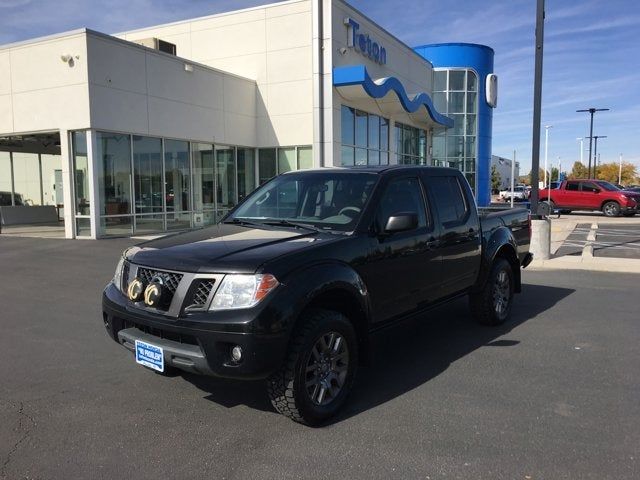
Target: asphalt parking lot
(553, 394)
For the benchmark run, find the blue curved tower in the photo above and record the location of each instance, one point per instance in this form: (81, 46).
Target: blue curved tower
(459, 91)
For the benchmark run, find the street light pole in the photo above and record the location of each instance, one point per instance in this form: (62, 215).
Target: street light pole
(591, 111)
(537, 106)
(595, 155)
(546, 151)
(581, 149)
(620, 172)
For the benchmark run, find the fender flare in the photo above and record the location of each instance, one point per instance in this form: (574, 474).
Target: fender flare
(500, 244)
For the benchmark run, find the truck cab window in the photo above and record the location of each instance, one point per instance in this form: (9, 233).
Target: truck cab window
(449, 199)
(402, 195)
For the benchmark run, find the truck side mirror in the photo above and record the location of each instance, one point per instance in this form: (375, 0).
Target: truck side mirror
(401, 222)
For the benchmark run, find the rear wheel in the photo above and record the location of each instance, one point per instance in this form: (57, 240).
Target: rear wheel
(318, 372)
(611, 209)
(492, 305)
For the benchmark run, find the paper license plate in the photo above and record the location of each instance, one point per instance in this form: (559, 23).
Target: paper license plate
(149, 356)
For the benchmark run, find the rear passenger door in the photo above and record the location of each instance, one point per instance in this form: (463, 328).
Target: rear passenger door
(570, 196)
(459, 240)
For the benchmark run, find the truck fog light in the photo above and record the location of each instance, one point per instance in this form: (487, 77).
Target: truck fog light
(236, 353)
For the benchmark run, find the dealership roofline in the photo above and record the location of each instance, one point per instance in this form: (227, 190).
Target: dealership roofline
(129, 43)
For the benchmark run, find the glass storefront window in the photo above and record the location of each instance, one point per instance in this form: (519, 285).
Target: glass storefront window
(456, 102)
(365, 138)
(439, 81)
(361, 128)
(81, 178)
(457, 98)
(472, 81)
(347, 114)
(411, 145)
(246, 172)
(113, 154)
(225, 179)
(305, 158)
(116, 226)
(267, 164)
(286, 160)
(177, 176)
(147, 171)
(5, 179)
(347, 156)
(457, 80)
(26, 178)
(203, 180)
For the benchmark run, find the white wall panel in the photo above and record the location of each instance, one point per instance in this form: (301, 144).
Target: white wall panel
(5, 73)
(167, 78)
(51, 109)
(120, 110)
(116, 65)
(38, 65)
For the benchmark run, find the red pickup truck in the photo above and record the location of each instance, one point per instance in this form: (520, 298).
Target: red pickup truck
(592, 195)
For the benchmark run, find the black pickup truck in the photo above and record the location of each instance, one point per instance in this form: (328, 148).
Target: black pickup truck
(290, 284)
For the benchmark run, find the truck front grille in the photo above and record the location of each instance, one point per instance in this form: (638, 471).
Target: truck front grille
(169, 279)
(201, 291)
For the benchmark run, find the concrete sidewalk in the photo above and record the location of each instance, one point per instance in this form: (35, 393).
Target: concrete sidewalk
(562, 227)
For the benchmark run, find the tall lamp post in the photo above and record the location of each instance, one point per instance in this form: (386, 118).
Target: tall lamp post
(546, 151)
(591, 111)
(595, 155)
(581, 149)
(537, 106)
(620, 172)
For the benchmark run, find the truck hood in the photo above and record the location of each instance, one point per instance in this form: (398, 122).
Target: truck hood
(223, 248)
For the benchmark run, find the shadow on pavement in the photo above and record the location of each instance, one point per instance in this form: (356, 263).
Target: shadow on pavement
(406, 356)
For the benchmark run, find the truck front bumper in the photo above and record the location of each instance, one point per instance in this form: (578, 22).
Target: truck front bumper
(195, 345)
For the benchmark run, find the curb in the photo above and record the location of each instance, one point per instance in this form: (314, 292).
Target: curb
(596, 264)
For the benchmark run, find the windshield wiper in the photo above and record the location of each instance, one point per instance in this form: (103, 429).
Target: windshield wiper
(288, 223)
(243, 222)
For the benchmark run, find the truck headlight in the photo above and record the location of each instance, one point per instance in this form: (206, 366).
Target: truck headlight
(242, 291)
(117, 277)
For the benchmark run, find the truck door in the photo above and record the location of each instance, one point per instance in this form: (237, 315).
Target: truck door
(459, 242)
(569, 196)
(403, 268)
(591, 195)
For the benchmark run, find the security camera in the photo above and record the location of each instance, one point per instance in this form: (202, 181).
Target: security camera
(343, 51)
(66, 57)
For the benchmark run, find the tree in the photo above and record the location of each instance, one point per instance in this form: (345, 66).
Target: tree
(496, 180)
(579, 170)
(540, 176)
(610, 171)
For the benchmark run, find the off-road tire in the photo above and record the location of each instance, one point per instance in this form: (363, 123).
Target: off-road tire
(286, 387)
(483, 303)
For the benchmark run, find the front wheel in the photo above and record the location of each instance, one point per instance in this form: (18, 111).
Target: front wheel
(318, 372)
(611, 209)
(492, 304)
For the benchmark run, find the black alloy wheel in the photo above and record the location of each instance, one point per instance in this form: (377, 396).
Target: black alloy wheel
(318, 372)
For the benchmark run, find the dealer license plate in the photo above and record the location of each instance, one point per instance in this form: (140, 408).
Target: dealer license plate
(149, 356)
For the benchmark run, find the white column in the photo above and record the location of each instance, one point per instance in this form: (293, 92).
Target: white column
(66, 163)
(393, 155)
(94, 188)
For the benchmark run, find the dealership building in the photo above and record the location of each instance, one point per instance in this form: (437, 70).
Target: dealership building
(167, 128)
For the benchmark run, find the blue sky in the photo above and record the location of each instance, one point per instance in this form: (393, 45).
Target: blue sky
(591, 55)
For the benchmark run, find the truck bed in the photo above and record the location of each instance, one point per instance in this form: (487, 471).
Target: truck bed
(515, 219)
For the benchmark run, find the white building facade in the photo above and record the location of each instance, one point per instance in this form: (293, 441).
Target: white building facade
(167, 128)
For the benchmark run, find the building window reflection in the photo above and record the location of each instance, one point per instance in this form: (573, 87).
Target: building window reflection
(365, 138)
(456, 95)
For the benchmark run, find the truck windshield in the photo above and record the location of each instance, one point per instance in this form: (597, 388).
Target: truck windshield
(332, 200)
